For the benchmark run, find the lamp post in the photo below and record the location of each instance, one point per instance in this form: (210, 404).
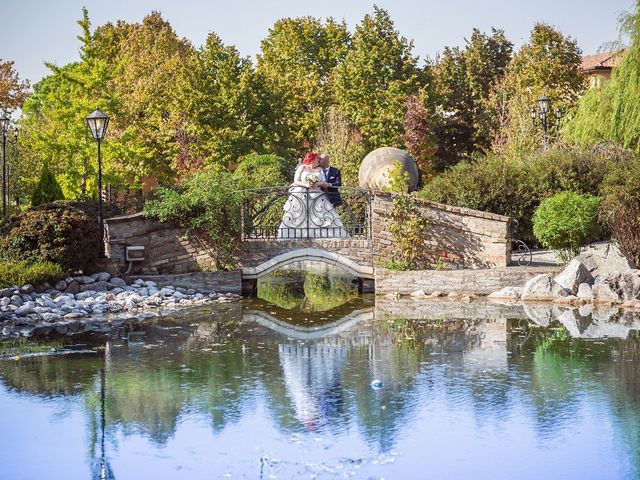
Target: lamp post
(542, 113)
(4, 126)
(97, 122)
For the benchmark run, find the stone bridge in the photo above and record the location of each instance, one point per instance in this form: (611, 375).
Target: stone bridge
(458, 238)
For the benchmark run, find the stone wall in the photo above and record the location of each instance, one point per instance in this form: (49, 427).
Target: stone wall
(459, 237)
(255, 252)
(477, 282)
(167, 249)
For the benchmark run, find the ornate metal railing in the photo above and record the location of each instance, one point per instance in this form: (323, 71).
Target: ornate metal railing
(300, 213)
(520, 251)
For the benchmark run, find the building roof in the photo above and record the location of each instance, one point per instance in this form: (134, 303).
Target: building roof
(601, 61)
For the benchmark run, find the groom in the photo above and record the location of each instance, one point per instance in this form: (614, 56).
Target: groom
(334, 179)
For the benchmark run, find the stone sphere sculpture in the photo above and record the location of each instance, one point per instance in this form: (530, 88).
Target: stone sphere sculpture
(375, 168)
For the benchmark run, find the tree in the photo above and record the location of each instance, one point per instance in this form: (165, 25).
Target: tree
(463, 82)
(343, 143)
(372, 84)
(297, 60)
(549, 64)
(418, 138)
(612, 111)
(48, 189)
(13, 91)
(228, 108)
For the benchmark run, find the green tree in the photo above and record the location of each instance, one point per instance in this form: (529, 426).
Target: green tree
(13, 91)
(549, 64)
(228, 109)
(48, 189)
(372, 84)
(297, 60)
(612, 112)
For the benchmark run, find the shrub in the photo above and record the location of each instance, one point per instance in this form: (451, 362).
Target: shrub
(208, 206)
(566, 221)
(255, 171)
(47, 189)
(55, 232)
(620, 208)
(515, 186)
(408, 228)
(19, 273)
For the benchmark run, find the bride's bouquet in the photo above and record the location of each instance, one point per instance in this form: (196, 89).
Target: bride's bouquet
(313, 178)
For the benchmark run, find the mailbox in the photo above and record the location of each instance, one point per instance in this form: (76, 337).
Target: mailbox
(134, 253)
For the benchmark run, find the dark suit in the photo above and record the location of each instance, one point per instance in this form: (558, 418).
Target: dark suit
(335, 179)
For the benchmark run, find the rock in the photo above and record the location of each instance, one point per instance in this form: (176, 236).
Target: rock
(25, 309)
(166, 292)
(178, 295)
(7, 292)
(150, 284)
(99, 286)
(101, 276)
(573, 275)
(28, 289)
(540, 288)
(435, 294)
(50, 317)
(41, 288)
(16, 300)
(375, 168)
(4, 301)
(61, 286)
(604, 258)
(616, 287)
(118, 282)
(85, 294)
(509, 293)
(139, 282)
(72, 287)
(585, 291)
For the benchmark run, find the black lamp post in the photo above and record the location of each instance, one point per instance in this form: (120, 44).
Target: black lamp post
(544, 109)
(4, 126)
(97, 122)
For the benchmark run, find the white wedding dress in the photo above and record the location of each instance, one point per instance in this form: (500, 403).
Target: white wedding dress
(308, 212)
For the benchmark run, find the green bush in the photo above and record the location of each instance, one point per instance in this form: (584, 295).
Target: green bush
(19, 273)
(256, 171)
(620, 208)
(515, 185)
(208, 206)
(55, 232)
(47, 189)
(567, 221)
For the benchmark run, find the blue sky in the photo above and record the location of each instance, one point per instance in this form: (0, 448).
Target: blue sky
(34, 31)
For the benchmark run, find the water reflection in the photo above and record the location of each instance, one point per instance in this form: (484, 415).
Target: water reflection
(258, 386)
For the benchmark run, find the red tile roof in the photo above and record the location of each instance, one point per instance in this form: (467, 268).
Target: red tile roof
(601, 61)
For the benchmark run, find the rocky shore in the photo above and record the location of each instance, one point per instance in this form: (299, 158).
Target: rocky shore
(90, 303)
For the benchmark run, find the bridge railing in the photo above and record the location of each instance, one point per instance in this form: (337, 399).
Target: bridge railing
(301, 213)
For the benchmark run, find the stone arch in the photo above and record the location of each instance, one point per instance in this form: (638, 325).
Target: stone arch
(310, 255)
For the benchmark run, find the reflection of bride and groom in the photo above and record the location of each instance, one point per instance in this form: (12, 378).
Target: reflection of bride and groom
(310, 209)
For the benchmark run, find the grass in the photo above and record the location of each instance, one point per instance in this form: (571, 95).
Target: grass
(21, 346)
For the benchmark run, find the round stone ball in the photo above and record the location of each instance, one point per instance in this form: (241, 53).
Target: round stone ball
(375, 168)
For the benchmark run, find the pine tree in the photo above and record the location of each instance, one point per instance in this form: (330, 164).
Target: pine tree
(47, 189)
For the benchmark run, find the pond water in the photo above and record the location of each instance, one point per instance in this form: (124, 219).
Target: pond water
(285, 389)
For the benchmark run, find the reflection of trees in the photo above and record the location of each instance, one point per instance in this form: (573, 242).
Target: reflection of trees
(306, 291)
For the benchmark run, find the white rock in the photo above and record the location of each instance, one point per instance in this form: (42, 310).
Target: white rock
(540, 288)
(508, 293)
(418, 293)
(25, 309)
(85, 295)
(573, 275)
(150, 284)
(604, 258)
(585, 291)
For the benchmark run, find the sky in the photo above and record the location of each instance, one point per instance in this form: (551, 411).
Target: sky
(35, 31)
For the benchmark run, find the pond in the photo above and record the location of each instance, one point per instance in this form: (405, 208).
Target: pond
(285, 388)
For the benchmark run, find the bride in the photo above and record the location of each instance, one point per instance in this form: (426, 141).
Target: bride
(308, 212)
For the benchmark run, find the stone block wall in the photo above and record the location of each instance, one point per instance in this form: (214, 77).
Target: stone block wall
(255, 252)
(167, 249)
(468, 281)
(459, 237)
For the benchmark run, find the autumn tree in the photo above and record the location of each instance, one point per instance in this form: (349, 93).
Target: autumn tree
(375, 78)
(548, 64)
(296, 61)
(419, 138)
(13, 91)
